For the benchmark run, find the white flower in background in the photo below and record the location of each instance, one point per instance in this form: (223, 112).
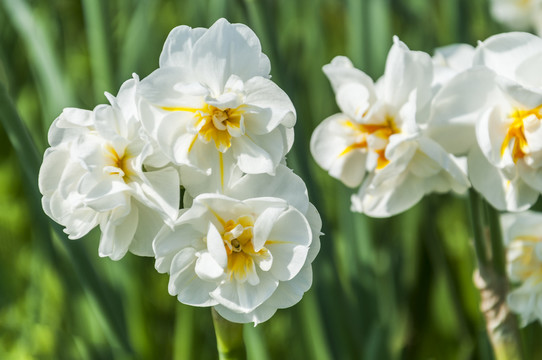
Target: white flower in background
(211, 104)
(522, 233)
(94, 174)
(248, 253)
(493, 112)
(378, 140)
(449, 61)
(518, 14)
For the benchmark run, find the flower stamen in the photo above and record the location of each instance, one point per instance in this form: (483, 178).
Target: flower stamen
(362, 131)
(219, 125)
(237, 237)
(118, 165)
(516, 132)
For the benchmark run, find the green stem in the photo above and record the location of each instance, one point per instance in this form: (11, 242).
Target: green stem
(477, 222)
(491, 280)
(498, 255)
(229, 338)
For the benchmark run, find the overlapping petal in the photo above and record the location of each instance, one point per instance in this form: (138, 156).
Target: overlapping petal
(94, 174)
(211, 104)
(380, 140)
(240, 248)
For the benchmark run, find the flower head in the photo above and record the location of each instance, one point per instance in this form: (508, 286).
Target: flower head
(94, 174)
(211, 104)
(521, 15)
(492, 112)
(378, 140)
(523, 236)
(248, 253)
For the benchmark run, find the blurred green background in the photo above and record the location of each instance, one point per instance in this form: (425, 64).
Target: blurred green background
(398, 288)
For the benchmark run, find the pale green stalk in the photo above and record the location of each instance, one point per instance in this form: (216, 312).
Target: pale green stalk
(229, 338)
(98, 49)
(491, 281)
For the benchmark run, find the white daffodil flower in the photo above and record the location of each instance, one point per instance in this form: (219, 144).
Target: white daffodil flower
(492, 112)
(522, 233)
(248, 253)
(211, 104)
(378, 140)
(522, 15)
(94, 174)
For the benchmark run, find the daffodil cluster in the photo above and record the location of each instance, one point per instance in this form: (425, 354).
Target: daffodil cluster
(409, 134)
(380, 139)
(491, 113)
(211, 121)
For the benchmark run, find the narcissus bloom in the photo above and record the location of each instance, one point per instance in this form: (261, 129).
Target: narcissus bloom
(492, 112)
(211, 104)
(523, 236)
(378, 140)
(521, 15)
(93, 174)
(248, 253)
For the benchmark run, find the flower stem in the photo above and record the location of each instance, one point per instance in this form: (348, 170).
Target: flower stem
(229, 338)
(477, 222)
(490, 279)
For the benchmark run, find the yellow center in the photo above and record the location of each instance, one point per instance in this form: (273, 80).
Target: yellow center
(531, 267)
(216, 124)
(361, 131)
(237, 237)
(119, 165)
(516, 132)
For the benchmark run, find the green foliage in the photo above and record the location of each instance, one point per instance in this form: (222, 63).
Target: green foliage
(382, 289)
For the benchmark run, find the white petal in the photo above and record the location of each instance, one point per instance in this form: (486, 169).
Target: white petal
(505, 52)
(52, 170)
(251, 158)
(406, 70)
(227, 49)
(215, 246)
(163, 189)
(117, 236)
(263, 225)
(329, 142)
(288, 242)
(500, 192)
(179, 46)
(273, 145)
(354, 99)
(315, 223)
(274, 106)
(184, 282)
(148, 226)
(243, 297)
(341, 72)
(207, 268)
(457, 107)
(168, 243)
(284, 185)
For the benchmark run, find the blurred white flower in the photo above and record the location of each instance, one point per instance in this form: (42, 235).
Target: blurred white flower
(248, 253)
(211, 104)
(522, 234)
(492, 112)
(93, 174)
(521, 15)
(378, 140)
(451, 60)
